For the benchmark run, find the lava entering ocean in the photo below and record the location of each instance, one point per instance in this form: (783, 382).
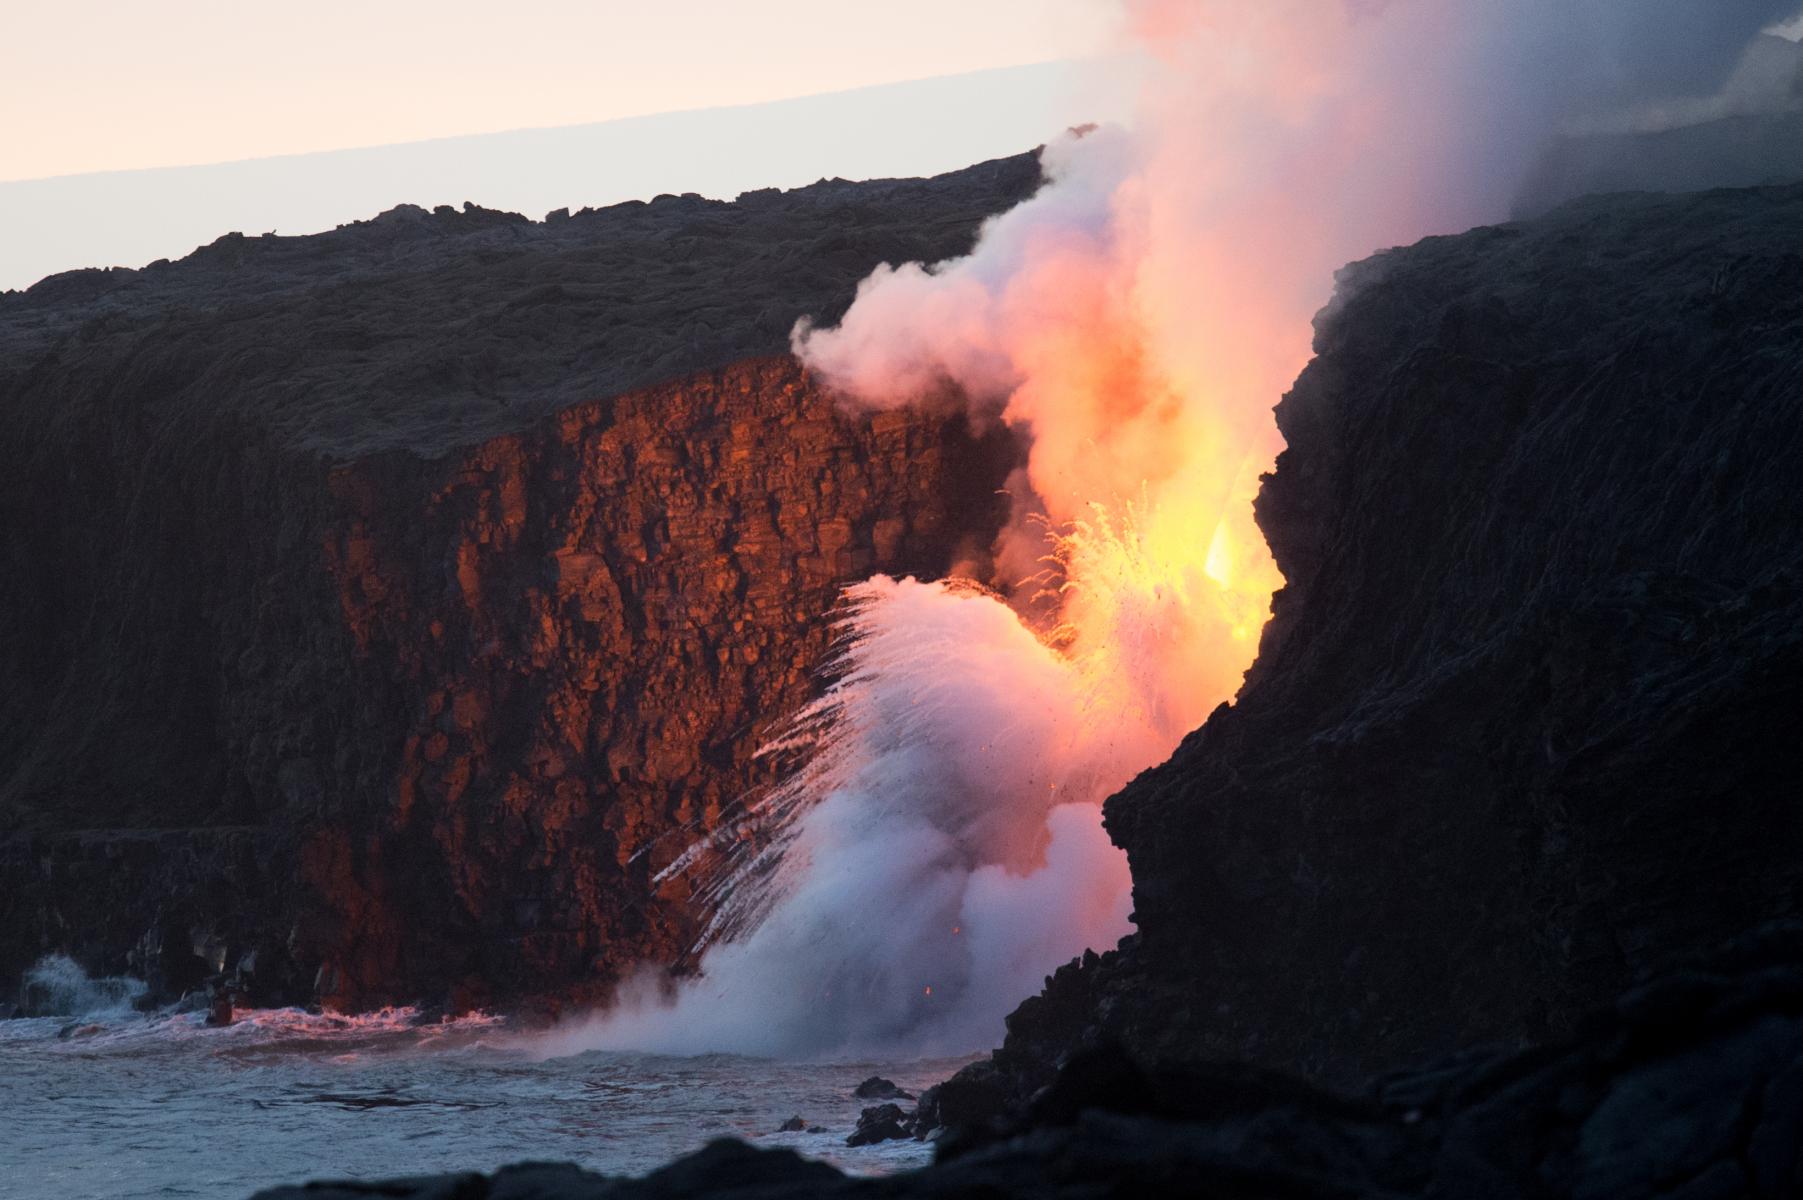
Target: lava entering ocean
(1136, 321)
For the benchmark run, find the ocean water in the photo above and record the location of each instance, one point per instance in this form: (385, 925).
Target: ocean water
(129, 1105)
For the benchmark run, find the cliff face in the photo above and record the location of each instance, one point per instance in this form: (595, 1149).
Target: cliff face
(377, 614)
(1521, 727)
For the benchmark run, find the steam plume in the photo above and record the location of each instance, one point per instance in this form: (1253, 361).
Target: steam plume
(1136, 320)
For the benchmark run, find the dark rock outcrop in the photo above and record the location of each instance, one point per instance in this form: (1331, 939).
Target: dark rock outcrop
(979, 1095)
(878, 1088)
(881, 1123)
(386, 608)
(1522, 727)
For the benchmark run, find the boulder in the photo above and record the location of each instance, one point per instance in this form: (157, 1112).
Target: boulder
(974, 1098)
(878, 1088)
(882, 1123)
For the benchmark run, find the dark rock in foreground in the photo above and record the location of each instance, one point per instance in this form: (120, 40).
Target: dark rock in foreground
(883, 1123)
(1691, 1087)
(1735, 151)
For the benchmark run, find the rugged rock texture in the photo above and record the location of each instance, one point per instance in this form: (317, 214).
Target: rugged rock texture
(1691, 1088)
(1522, 727)
(378, 623)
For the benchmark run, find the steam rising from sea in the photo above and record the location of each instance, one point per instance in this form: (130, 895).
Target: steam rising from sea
(1135, 321)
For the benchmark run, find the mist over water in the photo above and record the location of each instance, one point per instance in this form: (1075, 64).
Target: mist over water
(102, 1100)
(1135, 322)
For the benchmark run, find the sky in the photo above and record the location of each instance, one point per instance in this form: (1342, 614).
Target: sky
(133, 130)
(106, 85)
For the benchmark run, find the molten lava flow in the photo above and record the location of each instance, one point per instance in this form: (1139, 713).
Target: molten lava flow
(1135, 321)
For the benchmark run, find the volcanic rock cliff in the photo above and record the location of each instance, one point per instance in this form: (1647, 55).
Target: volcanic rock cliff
(1521, 731)
(385, 607)
(1522, 728)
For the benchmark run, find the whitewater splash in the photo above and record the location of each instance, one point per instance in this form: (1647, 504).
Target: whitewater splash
(61, 1003)
(57, 986)
(1134, 321)
(941, 847)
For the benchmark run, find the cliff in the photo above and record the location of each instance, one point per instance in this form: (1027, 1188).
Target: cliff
(386, 607)
(1520, 730)
(1500, 838)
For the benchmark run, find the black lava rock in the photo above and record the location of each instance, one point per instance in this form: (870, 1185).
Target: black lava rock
(883, 1123)
(878, 1088)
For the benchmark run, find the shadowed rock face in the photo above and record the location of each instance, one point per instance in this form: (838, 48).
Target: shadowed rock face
(404, 673)
(1522, 727)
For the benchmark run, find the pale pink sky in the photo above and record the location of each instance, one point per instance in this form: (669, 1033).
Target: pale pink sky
(93, 85)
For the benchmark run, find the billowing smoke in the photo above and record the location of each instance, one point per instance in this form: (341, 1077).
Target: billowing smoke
(1136, 321)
